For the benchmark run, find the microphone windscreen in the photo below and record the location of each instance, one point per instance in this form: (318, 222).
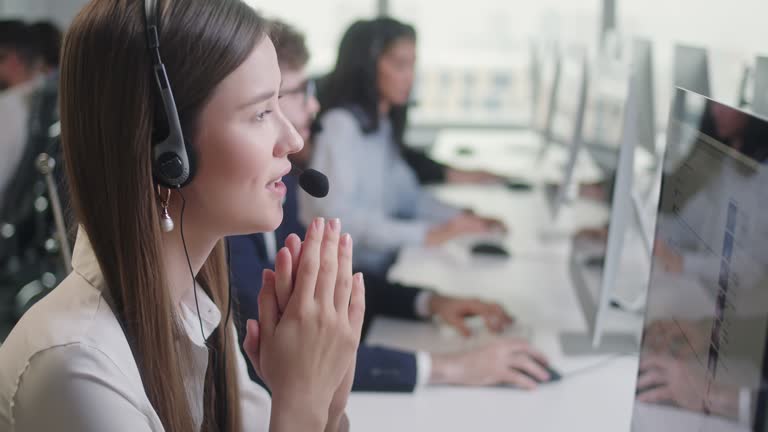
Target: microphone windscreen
(314, 183)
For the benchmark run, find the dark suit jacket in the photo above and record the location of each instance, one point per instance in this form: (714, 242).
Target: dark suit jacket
(378, 369)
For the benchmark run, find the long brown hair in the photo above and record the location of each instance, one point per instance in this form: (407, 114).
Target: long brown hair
(107, 107)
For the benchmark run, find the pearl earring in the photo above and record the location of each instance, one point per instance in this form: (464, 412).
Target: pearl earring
(166, 223)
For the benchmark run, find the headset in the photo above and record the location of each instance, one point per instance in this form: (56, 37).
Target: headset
(172, 161)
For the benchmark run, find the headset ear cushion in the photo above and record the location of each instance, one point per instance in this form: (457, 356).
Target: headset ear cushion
(192, 158)
(169, 166)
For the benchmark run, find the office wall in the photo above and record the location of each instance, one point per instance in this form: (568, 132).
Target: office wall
(715, 23)
(734, 32)
(490, 31)
(322, 21)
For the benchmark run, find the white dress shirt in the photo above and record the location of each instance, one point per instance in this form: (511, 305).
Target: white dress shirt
(67, 366)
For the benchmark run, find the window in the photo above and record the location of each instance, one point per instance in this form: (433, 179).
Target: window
(474, 61)
(323, 23)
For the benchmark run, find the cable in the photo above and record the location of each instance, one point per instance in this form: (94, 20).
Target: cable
(225, 333)
(189, 264)
(597, 365)
(229, 284)
(223, 328)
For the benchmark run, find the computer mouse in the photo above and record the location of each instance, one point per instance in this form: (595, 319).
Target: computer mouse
(518, 185)
(489, 249)
(465, 151)
(554, 375)
(595, 262)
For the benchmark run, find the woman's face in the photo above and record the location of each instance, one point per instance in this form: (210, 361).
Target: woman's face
(395, 71)
(242, 142)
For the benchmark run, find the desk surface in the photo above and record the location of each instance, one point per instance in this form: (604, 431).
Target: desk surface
(595, 401)
(596, 393)
(511, 152)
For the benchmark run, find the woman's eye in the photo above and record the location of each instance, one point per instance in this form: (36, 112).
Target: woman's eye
(261, 116)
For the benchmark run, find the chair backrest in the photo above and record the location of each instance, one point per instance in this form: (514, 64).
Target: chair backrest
(26, 220)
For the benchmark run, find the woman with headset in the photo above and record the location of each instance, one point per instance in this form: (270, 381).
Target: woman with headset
(173, 139)
(364, 104)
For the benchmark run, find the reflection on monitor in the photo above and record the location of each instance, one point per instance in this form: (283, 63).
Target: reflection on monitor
(703, 359)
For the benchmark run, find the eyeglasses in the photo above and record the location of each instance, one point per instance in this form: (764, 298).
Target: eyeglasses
(308, 89)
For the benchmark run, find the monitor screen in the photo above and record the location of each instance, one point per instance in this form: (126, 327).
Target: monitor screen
(760, 86)
(702, 359)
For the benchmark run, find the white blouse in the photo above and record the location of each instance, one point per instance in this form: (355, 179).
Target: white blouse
(67, 366)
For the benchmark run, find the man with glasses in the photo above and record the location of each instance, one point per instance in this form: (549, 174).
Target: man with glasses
(378, 369)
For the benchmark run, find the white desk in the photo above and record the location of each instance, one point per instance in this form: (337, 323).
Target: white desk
(533, 234)
(514, 153)
(535, 286)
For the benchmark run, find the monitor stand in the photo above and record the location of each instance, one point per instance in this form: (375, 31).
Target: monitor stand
(580, 344)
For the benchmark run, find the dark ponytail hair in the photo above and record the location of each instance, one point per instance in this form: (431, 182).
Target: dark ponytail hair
(353, 84)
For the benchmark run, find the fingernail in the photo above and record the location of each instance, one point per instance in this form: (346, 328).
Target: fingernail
(319, 223)
(335, 224)
(346, 240)
(359, 278)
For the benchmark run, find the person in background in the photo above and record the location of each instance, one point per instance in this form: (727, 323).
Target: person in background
(20, 56)
(21, 74)
(378, 369)
(363, 118)
(48, 38)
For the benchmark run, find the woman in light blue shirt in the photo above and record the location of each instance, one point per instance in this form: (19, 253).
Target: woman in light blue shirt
(359, 148)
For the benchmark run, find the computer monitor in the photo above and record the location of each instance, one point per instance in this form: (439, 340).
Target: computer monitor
(703, 354)
(597, 265)
(643, 66)
(546, 94)
(566, 127)
(692, 69)
(607, 97)
(759, 104)
(508, 152)
(745, 86)
(567, 105)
